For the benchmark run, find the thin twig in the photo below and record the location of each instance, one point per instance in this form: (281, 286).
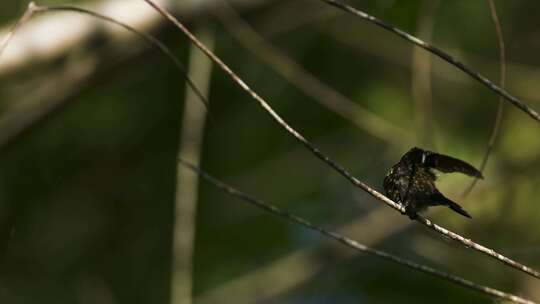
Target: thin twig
(439, 53)
(151, 40)
(306, 82)
(454, 236)
(502, 82)
(352, 243)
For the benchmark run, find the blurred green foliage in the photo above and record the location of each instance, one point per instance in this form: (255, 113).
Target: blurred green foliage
(87, 195)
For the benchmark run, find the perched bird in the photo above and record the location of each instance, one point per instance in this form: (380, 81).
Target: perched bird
(411, 182)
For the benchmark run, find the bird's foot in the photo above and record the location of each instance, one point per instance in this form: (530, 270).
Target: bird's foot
(410, 212)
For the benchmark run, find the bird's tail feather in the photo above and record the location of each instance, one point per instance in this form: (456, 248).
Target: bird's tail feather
(441, 199)
(457, 208)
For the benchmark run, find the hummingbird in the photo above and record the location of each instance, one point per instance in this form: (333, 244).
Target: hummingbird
(411, 182)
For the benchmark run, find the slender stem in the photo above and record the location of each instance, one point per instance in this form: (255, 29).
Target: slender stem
(502, 82)
(352, 243)
(439, 53)
(236, 79)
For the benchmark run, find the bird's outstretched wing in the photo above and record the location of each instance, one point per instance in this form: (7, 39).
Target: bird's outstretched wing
(448, 164)
(443, 163)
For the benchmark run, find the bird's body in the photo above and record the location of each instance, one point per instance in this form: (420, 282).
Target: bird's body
(411, 182)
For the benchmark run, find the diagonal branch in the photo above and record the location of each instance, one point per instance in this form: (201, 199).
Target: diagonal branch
(354, 244)
(454, 236)
(439, 53)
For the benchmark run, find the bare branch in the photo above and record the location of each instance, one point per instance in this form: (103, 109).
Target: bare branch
(439, 53)
(354, 244)
(502, 82)
(454, 236)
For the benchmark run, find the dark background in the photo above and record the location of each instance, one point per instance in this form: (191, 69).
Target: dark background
(87, 195)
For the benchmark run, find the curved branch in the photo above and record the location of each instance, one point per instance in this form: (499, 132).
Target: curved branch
(151, 40)
(502, 81)
(9, 131)
(439, 53)
(30, 10)
(354, 244)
